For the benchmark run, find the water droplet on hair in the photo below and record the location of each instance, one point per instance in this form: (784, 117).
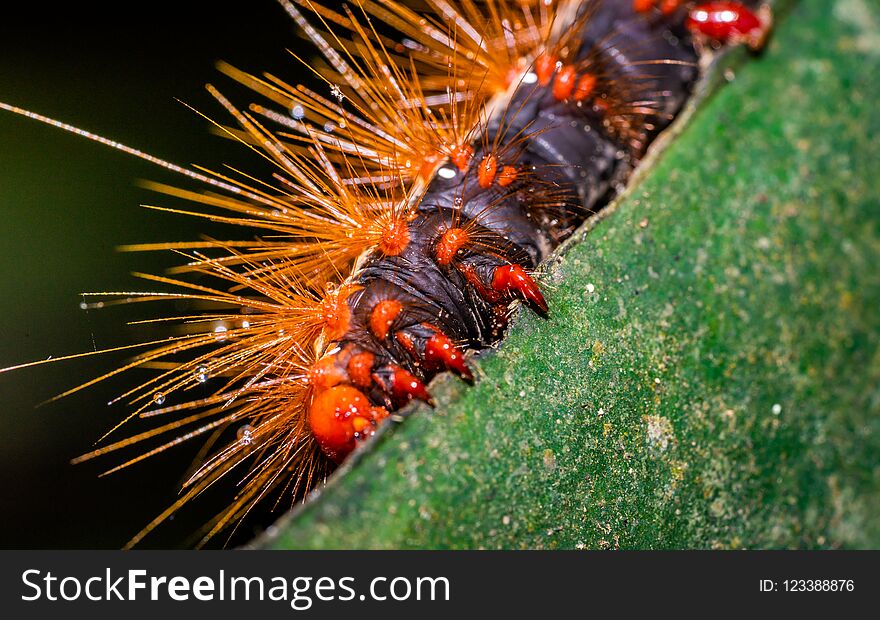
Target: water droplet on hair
(202, 374)
(245, 435)
(159, 398)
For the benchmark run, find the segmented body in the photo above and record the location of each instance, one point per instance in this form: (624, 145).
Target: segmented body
(567, 153)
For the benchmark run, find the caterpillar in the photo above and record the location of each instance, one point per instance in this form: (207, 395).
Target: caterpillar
(449, 148)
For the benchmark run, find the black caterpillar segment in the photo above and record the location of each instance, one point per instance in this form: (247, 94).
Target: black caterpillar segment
(553, 152)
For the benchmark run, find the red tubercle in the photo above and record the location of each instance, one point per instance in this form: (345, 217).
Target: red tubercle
(545, 67)
(461, 156)
(507, 176)
(486, 171)
(449, 244)
(729, 22)
(668, 7)
(563, 86)
(382, 317)
(360, 368)
(507, 281)
(406, 341)
(514, 279)
(401, 385)
(395, 237)
(440, 350)
(586, 84)
(340, 417)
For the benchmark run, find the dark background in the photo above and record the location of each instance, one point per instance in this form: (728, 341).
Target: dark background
(66, 203)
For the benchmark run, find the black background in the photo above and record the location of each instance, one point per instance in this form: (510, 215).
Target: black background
(66, 203)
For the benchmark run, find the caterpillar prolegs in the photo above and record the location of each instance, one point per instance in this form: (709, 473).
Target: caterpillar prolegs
(448, 149)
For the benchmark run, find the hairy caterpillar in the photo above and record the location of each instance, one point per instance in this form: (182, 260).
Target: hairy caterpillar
(432, 178)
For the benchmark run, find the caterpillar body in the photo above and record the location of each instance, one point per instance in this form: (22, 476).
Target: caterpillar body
(411, 205)
(539, 165)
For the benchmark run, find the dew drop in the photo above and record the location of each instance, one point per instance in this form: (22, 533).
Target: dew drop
(202, 374)
(298, 112)
(159, 398)
(220, 333)
(245, 435)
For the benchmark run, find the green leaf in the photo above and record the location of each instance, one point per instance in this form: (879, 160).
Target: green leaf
(709, 375)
